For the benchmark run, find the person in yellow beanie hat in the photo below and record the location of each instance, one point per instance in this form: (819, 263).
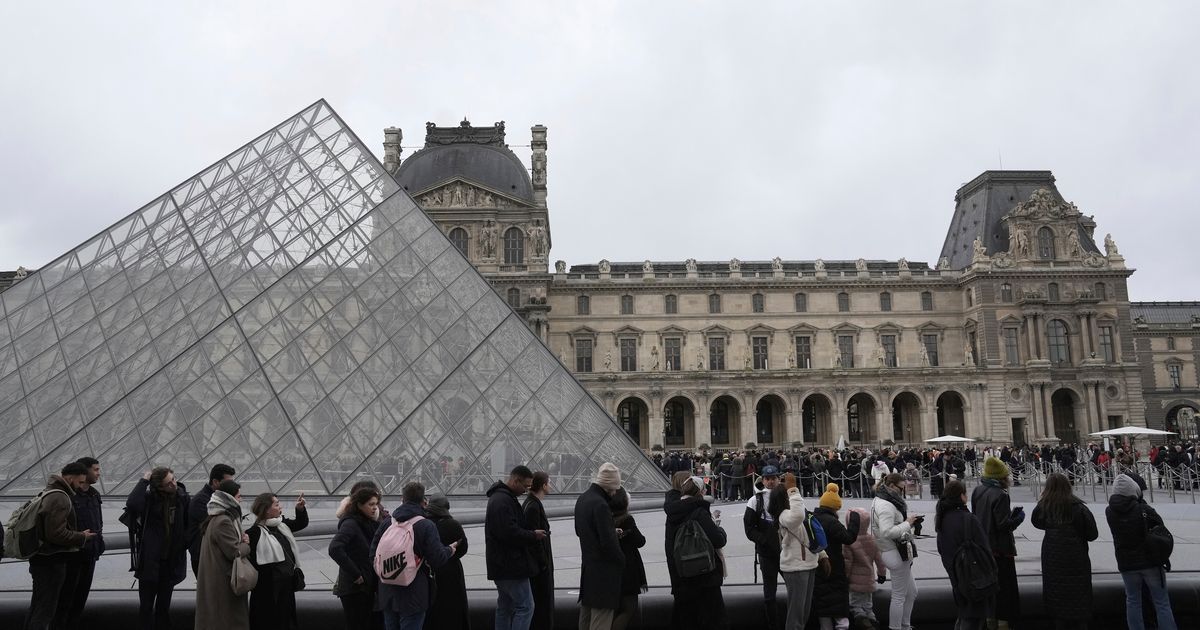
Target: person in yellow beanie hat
(831, 595)
(991, 504)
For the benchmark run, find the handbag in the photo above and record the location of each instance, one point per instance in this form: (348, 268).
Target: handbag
(243, 577)
(1159, 542)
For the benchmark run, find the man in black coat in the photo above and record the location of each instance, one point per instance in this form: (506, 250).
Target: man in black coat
(991, 504)
(161, 504)
(198, 510)
(509, 549)
(602, 560)
(82, 564)
(763, 531)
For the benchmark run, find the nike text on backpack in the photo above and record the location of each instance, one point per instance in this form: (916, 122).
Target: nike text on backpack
(20, 532)
(693, 551)
(396, 561)
(975, 572)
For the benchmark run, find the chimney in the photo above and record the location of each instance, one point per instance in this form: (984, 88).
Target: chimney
(539, 164)
(391, 149)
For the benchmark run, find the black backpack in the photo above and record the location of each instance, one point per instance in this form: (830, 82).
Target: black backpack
(133, 522)
(693, 551)
(1159, 542)
(975, 570)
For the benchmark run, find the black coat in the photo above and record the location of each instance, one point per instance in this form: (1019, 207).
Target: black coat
(351, 550)
(603, 563)
(831, 594)
(449, 610)
(956, 526)
(760, 529)
(992, 506)
(88, 516)
(535, 518)
(679, 510)
(1066, 567)
(1129, 519)
(164, 542)
(633, 578)
(196, 513)
(509, 541)
(273, 600)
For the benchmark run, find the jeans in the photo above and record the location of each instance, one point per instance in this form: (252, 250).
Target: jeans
(799, 597)
(48, 576)
(395, 621)
(514, 604)
(904, 590)
(1156, 580)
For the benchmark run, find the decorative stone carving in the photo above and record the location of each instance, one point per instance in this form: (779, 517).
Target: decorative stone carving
(1092, 259)
(1043, 205)
(460, 195)
(924, 356)
(878, 356)
(608, 361)
(648, 268)
(690, 265)
(654, 358)
(699, 360)
(21, 273)
(902, 264)
(541, 241)
(487, 239)
(1110, 246)
(1020, 243)
(1002, 260)
(560, 266)
(791, 360)
(970, 357)
(735, 265)
(819, 265)
(1074, 249)
(777, 264)
(978, 251)
(605, 266)
(746, 361)
(860, 264)
(944, 263)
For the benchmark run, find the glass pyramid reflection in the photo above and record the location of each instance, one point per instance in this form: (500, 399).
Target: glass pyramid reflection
(291, 312)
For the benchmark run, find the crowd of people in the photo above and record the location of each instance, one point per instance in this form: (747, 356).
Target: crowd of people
(402, 569)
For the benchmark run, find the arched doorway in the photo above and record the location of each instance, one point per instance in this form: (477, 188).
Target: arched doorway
(1063, 404)
(723, 422)
(1184, 420)
(817, 419)
(906, 418)
(860, 419)
(769, 420)
(678, 417)
(951, 419)
(632, 415)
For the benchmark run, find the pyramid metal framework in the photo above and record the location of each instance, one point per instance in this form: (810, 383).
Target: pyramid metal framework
(291, 312)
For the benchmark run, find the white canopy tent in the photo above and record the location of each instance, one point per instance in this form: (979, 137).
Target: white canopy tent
(949, 439)
(1131, 431)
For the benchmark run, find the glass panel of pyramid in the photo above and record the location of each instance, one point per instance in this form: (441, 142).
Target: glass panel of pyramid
(291, 312)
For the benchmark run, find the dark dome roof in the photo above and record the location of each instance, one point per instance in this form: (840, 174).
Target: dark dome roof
(494, 167)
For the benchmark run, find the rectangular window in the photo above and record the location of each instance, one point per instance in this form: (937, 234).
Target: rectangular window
(1115, 422)
(628, 355)
(885, 301)
(843, 302)
(889, 349)
(804, 352)
(1106, 344)
(926, 301)
(931, 347)
(1012, 347)
(583, 355)
(671, 304)
(759, 349)
(1101, 291)
(1176, 374)
(716, 353)
(583, 305)
(714, 303)
(627, 305)
(1006, 292)
(756, 302)
(801, 302)
(671, 353)
(846, 350)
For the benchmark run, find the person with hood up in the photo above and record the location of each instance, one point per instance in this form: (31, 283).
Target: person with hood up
(510, 544)
(276, 557)
(698, 599)
(222, 540)
(1129, 518)
(1066, 565)
(404, 607)
(350, 548)
(633, 579)
(831, 596)
(449, 610)
(991, 504)
(955, 525)
(601, 560)
(893, 530)
(161, 504)
(864, 569)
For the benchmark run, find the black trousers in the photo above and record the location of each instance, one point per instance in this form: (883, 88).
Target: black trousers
(81, 570)
(359, 611)
(699, 608)
(768, 563)
(51, 592)
(1008, 600)
(542, 585)
(154, 609)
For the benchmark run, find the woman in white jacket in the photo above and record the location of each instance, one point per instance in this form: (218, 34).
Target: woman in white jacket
(892, 528)
(797, 563)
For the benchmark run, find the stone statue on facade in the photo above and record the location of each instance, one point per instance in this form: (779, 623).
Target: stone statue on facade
(560, 266)
(902, 264)
(878, 355)
(605, 266)
(608, 361)
(860, 264)
(1020, 242)
(537, 234)
(837, 360)
(746, 361)
(944, 263)
(777, 264)
(699, 360)
(735, 265)
(487, 239)
(648, 268)
(970, 356)
(1110, 246)
(21, 273)
(690, 265)
(924, 356)
(819, 265)
(456, 198)
(654, 359)
(978, 252)
(1074, 249)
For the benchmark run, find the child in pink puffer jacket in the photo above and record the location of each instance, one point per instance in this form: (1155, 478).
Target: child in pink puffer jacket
(864, 564)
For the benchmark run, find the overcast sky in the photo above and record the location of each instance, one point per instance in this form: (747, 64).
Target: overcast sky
(676, 129)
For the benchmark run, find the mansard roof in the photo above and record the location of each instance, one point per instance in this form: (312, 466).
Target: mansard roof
(476, 154)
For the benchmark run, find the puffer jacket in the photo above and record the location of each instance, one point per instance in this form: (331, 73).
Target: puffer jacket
(1129, 518)
(863, 560)
(795, 555)
(888, 525)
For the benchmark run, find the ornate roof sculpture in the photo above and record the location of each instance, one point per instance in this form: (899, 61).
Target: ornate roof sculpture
(291, 312)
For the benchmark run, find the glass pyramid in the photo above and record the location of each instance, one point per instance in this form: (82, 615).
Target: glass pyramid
(291, 312)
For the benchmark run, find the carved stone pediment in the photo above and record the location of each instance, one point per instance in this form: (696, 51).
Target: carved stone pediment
(1043, 205)
(462, 194)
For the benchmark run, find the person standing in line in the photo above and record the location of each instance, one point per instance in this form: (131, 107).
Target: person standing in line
(274, 553)
(737, 474)
(541, 584)
(797, 562)
(344, 507)
(955, 525)
(350, 548)
(831, 596)
(160, 503)
(404, 607)
(633, 579)
(510, 544)
(198, 511)
(222, 540)
(762, 529)
(602, 563)
(88, 516)
(893, 530)
(1130, 519)
(865, 570)
(698, 600)
(449, 610)
(59, 536)
(991, 504)
(1066, 566)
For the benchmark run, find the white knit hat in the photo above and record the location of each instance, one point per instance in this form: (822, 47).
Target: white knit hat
(608, 477)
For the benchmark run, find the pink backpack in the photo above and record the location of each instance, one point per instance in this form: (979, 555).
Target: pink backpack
(396, 561)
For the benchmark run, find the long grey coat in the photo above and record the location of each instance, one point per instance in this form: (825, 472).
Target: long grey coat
(217, 608)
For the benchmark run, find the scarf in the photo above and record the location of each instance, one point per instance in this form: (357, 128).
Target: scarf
(887, 494)
(223, 503)
(269, 550)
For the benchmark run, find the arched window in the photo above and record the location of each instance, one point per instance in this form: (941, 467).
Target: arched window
(514, 297)
(1006, 292)
(1057, 342)
(756, 302)
(801, 302)
(843, 302)
(1046, 243)
(885, 301)
(458, 237)
(514, 246)
(1052, 293)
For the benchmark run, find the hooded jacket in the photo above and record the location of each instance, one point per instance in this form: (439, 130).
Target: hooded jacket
(678, 510)
(351, 550)
(863, 560)
(427, 545)
(56, 525)
(1129, 518)
(509, 542)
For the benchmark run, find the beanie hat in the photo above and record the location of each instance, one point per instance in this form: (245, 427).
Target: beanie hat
(608, 477)
(831, 499)
(994, 469)
(1126, 486)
